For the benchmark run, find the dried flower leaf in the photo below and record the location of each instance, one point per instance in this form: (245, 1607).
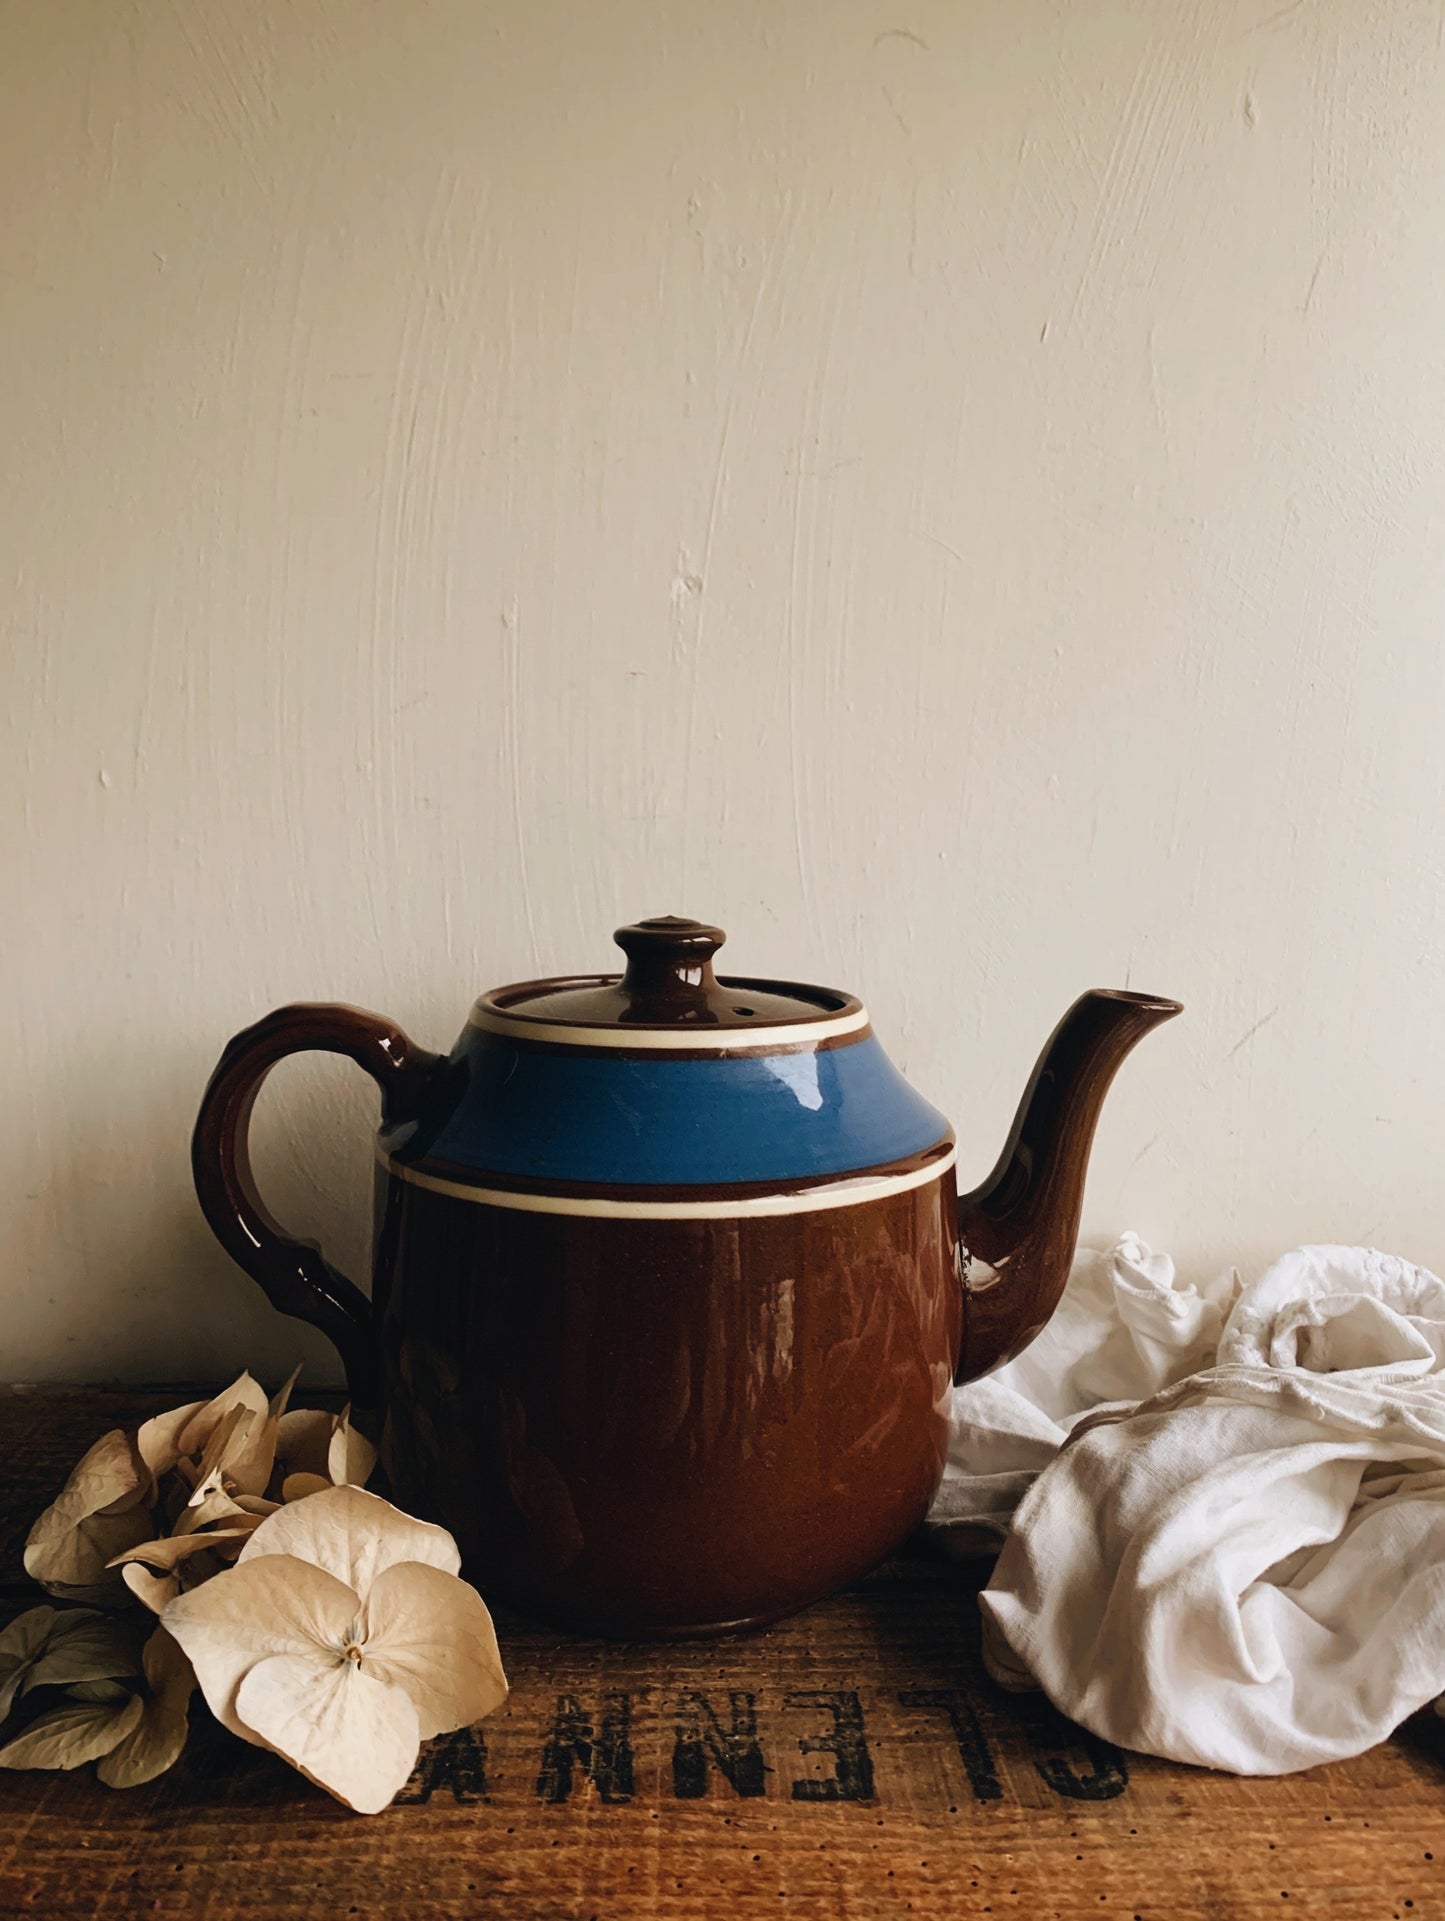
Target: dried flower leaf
(155, 1742)
(21, 1645)
(353, 1535)
(92, 1647)
(69, 1735)
(27, 1634)
(98, 1691)
(96, 1515)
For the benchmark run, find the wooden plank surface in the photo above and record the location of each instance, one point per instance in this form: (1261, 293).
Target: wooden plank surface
(854, 1762)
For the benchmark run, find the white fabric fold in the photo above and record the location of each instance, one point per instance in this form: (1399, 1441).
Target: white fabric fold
(1126, 1327)
(1247, 1570)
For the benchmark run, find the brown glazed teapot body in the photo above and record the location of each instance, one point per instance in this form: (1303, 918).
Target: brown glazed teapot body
(672, 1278)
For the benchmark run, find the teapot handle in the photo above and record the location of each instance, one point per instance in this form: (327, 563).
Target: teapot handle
(295, 1276)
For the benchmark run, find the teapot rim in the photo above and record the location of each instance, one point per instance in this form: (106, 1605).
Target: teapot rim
(840, 1016)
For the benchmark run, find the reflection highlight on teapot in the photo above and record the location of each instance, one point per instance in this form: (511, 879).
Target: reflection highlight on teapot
(799, 1074)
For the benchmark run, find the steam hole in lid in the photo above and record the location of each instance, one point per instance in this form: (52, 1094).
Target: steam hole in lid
(744, 1010)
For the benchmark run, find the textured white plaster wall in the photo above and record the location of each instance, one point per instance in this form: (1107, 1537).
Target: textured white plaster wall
(953, 491)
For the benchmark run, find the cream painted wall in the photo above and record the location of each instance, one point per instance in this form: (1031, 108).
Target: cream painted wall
(953, 490)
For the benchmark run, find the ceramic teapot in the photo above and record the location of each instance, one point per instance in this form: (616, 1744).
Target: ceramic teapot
(672, 1278)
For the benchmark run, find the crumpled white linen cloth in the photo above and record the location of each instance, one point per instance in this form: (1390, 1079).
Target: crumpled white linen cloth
(1125, 1328)
(1243, 1567)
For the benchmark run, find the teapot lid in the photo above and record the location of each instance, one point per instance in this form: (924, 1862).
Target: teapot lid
(667, 992)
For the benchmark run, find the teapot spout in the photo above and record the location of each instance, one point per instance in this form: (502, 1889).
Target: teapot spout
(1018, 1230)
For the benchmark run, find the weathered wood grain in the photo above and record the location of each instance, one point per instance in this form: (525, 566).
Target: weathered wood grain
(852, 1763)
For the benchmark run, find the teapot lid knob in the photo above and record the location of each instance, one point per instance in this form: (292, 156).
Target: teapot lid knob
(669, 961)
(669, 983)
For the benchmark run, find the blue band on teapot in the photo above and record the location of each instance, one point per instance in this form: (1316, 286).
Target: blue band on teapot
(603, 1118)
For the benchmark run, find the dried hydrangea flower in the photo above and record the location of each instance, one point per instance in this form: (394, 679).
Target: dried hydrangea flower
(155, 1513)
(224, 1447)
(341, 1639)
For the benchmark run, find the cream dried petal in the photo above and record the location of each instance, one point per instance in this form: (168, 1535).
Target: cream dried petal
(158, 1440)
(107, 1473)
(250, 1511)
(430, 1634)
(226, 1439)
(70, 1735)
(121, 1466)
(203, 1509)
(350, 1457)
(282, 1396)
(296, 1487)
(177, 1547)
(238, 1457)
(352, 1735)
(277, 1605)
(353, 1535)
(138, 1496)
(155, 1742)
(76, 1568)
(249, 1460)
(243, 1393)
(302, 1439)
(97, 1504)
(152, 1589)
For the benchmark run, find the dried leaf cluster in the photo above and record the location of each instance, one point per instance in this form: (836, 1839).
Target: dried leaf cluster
(110, 1694)
(320, 1621)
